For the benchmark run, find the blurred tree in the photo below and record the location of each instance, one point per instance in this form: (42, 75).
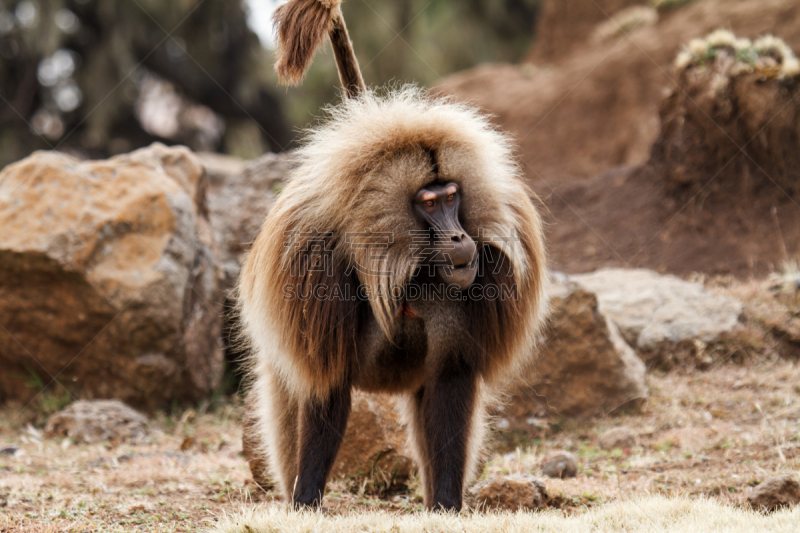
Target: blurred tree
(98, 77)
(419, 41)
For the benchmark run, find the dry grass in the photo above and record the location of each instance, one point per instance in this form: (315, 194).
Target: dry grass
(704, 439)
(655, 514)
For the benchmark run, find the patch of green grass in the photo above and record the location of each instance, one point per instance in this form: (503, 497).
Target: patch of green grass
(666, 5)
(664, 446)
(747, 55)
(588, 451)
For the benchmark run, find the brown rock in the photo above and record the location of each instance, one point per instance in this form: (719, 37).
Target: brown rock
(375, 440)
(108, 278)
(619, 437)
(774, 493)
(560, 465)
(374, 444)
(585, 367)
(508, 493)
(89, 421)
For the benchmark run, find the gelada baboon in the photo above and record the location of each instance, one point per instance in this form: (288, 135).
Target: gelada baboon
(404, 255)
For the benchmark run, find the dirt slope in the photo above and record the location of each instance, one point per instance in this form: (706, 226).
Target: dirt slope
(587, 126)
(564, 25)
(597, 108)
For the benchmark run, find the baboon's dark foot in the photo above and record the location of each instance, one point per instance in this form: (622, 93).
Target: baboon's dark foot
(446, 505)
(309, 502)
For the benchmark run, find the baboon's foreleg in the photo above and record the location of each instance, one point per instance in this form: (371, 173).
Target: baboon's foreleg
(322, 426)
(446, 411)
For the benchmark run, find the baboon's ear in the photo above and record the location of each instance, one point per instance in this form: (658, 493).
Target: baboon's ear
(301, 25)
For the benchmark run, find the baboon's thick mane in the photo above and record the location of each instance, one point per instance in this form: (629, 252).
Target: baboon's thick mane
(351, 177)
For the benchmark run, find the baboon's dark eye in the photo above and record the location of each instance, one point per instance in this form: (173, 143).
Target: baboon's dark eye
(450, 197)
(428, 203)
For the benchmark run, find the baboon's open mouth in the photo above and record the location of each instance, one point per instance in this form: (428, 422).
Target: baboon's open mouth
(462, 275)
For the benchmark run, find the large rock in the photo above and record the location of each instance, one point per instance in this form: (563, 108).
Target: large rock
(107, 277)
(240, 194)
(515, 492)
(374, 444)
(656, 313)
(585, 367)
(774, 493)
(96, 421)
(375, 441)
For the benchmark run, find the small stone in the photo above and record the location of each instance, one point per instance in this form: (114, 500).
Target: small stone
(774, 493)
(619, 437)
(11, 450)
(560, 465)
(88, 421)
(508, 493)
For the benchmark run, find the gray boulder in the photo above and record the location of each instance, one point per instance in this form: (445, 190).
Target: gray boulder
(657, 312)
(240, 194)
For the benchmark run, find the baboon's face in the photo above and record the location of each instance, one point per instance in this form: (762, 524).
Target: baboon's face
(451, 251)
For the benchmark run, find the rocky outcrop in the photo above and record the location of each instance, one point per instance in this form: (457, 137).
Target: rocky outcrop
(87, 422)
(775, 493)
(584, 368)
(699, 204)
(374, 445)
(515, 492)
(240, 195)
(108, 280)
(658, 314)
(733, 117)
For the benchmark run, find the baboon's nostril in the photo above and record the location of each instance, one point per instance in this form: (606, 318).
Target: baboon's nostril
(457, 238)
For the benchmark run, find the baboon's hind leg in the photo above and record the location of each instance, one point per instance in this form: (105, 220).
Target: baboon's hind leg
(278, 416)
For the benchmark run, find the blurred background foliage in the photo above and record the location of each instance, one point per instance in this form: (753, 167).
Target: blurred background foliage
(100, 77)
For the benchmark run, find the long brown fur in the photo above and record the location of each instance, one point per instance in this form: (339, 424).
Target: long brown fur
(302, 26)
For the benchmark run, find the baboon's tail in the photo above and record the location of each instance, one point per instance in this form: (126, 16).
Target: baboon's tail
(302, 26)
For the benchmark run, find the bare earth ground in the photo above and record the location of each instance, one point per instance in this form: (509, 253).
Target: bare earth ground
(712, 433)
